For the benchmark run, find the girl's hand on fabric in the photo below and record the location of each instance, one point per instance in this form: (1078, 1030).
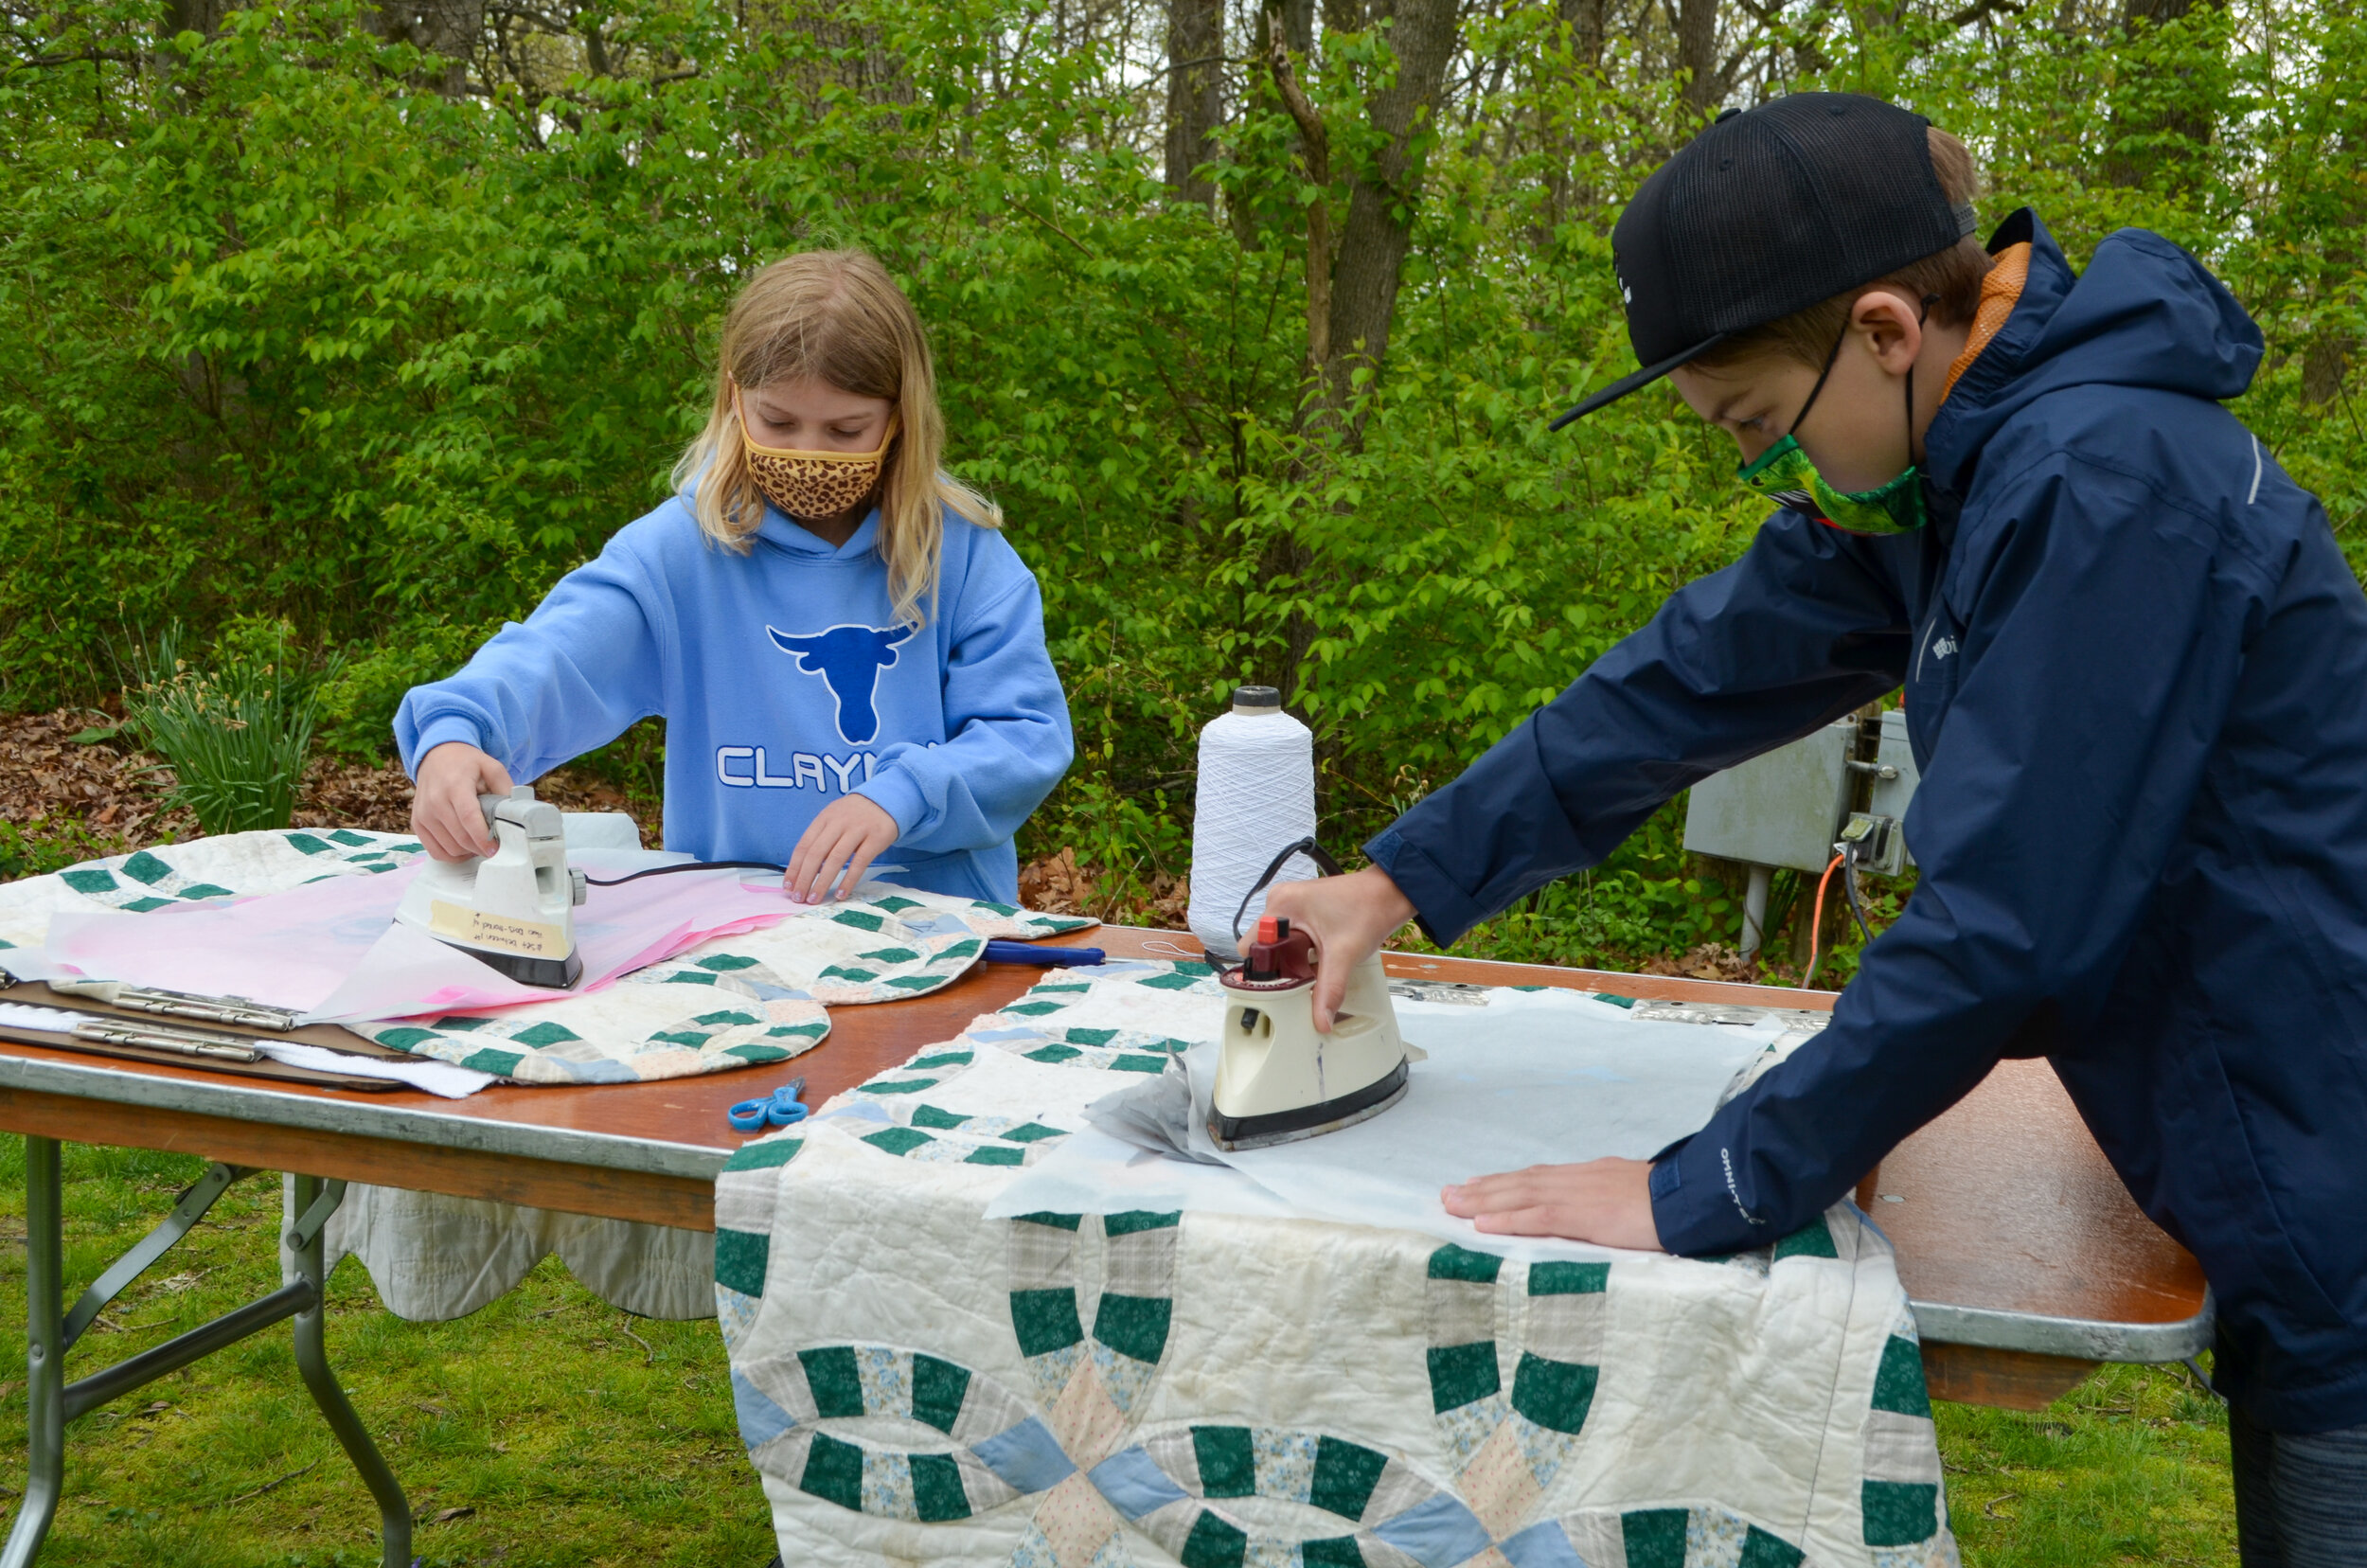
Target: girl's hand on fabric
(1349, 918)
(445, 817)
(848, 834)
(1605, 1201)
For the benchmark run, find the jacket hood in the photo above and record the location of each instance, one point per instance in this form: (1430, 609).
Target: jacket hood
(2144, 314)
(786, 533)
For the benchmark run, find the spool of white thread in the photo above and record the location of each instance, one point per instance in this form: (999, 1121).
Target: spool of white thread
(1256, 795)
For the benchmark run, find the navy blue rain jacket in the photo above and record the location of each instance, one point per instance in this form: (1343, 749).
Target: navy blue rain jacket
(2135, 670)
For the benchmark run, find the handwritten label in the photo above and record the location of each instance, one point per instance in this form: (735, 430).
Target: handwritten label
(506, 933)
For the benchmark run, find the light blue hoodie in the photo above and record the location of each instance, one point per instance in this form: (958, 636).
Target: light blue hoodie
(785, 684)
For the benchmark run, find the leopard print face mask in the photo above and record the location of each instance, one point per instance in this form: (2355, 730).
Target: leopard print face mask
(814, 485)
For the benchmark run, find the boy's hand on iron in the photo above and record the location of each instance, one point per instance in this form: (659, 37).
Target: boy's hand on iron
(1349, 918)
(1605, 1201)
(445, 817)
(848, 834)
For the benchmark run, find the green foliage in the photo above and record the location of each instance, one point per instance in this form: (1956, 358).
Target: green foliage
(37, 848)
(287, 333)
(237, 732)
(1135, 841)
(1645, 899)
(359, 699)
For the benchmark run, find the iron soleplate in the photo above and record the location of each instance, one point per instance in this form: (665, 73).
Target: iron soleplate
(1309, 1121)
(548, 974)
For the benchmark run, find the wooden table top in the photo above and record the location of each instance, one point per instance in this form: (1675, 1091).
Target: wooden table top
(2006, 1212)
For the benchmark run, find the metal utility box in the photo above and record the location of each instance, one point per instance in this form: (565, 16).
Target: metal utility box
(1783, 808)
(1892, 792)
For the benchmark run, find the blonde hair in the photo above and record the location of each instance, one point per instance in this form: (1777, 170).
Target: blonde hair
(836, 317)
(1949, 278)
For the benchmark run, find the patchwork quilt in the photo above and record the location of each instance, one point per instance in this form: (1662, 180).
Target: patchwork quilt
(916, 1383)
(756, 997)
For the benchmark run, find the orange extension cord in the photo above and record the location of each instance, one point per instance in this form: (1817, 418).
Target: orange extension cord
(1816, 923)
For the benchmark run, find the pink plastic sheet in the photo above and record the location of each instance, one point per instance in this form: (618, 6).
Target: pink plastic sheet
(332, 949)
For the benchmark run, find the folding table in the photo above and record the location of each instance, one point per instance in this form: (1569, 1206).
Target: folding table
(2026, 1260)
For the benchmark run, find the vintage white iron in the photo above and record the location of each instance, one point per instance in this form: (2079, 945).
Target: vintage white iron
(1277, 1080)
(513, 909)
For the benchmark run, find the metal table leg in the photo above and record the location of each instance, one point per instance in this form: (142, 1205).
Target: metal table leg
(51, 1401)
(44, 1353)
(309, 1204)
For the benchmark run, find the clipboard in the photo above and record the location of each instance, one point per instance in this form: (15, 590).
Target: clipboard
(329, 1036)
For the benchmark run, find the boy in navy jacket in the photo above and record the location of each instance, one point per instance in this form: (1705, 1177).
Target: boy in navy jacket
(2135, 676)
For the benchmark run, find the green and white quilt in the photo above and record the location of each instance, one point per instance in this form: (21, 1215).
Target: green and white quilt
(756, 997)
(917, 1382)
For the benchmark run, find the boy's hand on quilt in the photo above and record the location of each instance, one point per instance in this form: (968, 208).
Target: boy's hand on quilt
(1349, 918)
(445, 817)
(1605, 1201)
(849, 833)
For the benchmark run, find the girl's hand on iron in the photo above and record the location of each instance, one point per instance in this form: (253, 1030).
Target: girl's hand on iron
(445, 817)
(848, 835)
(1605, 1201)
(1349, 918)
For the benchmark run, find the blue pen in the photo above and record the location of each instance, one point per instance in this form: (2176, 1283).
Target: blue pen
(1000, 952)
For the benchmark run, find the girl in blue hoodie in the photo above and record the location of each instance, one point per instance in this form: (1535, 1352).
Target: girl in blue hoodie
(851, 666)
(849, 656)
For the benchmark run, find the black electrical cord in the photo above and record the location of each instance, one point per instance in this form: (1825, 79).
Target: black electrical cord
(1306, 846)
(1857, 902)
(1847, 861)
(685, 865)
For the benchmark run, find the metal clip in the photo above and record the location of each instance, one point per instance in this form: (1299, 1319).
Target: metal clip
(157, 1038)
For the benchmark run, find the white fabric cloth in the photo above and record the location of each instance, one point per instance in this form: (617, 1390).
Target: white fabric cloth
(434, 1258)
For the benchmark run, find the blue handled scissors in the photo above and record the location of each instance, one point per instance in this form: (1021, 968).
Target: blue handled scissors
(784, 1109)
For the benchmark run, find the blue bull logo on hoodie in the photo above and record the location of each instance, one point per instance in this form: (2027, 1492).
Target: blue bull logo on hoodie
(848, 659)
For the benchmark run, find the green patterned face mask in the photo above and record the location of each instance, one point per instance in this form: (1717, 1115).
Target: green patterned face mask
(1787, 475)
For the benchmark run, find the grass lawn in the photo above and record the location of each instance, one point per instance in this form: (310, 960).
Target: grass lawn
(552, 1429)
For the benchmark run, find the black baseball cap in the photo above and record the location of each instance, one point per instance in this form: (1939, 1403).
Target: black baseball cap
(1769, 211)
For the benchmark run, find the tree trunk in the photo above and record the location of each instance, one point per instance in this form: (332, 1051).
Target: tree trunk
(1352, 285)
(1589, 25)
(1385, 194)
(447, 27)
(2326, 362)
(197, 16)
(1589, 22)
(2131, 166)
(1195, 94)
(1298, 26)
(1696, 23)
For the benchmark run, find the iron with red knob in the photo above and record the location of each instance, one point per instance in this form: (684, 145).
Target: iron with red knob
(1277, 1080)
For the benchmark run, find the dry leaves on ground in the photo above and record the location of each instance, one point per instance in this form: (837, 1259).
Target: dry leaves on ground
(103, 784)
(1057, 885)
(1710, 961)
(46, 774)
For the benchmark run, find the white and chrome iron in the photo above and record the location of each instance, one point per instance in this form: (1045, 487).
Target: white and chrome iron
(513, 909)
(1277, 1080)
